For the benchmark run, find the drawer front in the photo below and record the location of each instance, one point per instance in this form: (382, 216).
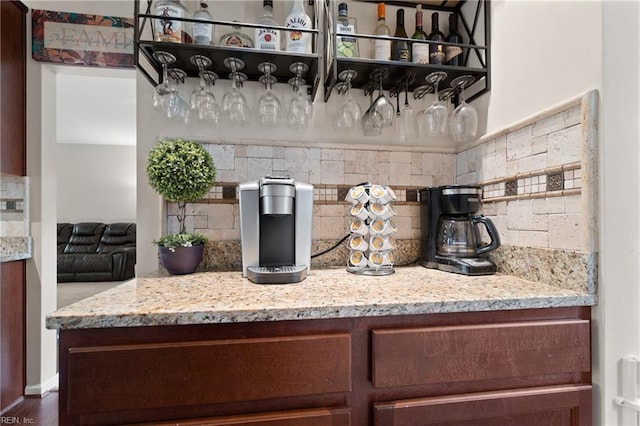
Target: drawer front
(311, 417)
(429, 355)
(554, 405)
(206, 372)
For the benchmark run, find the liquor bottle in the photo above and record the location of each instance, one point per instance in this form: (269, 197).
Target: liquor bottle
(202, 32)
(453, 54)
(267, 38)
(400, 49)
(436, 50)
(419, 51)
(236, 38)
(346, 46)
(382, 48)
(169, 30)
(297, 41)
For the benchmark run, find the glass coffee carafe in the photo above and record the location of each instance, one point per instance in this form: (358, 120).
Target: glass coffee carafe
(460, 236)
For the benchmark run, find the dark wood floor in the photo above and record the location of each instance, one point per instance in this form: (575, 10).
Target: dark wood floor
(35, 411)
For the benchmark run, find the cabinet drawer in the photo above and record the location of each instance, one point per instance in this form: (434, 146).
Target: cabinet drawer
(422, 356)
(310, 417)
(206, 372)
(553, 405)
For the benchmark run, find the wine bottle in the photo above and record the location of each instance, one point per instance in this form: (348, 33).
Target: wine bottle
(297, 41)
(202, 32)
(382, 48)
(400, 48)
(267, 38)
(453, 54)
(419, 51)
(436, 50)
(347, 46)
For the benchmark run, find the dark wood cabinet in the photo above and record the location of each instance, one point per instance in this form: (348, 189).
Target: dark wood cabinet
(12, 161)
(476, 368)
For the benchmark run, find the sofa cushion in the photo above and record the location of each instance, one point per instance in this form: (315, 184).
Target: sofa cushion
(117, 236)
(85, 238)
(64, 233)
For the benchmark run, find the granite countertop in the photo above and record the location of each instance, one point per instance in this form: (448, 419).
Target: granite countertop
(15, 248)
(226, 297)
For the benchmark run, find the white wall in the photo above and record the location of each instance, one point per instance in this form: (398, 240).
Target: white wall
(96, 183)
(542, 53)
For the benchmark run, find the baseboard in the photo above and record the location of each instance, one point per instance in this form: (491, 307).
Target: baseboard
(42, 388)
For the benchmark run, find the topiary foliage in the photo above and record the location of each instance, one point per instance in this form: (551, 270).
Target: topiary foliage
(180, 171)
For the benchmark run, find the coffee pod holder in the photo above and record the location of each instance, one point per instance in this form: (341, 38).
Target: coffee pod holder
(371, 228)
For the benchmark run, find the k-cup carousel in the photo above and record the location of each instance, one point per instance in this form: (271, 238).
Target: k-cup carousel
(371, 241)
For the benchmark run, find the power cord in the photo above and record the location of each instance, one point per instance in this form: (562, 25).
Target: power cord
(335, 246)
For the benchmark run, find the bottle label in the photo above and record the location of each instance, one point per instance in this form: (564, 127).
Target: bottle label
(436, 54)
(420, 52)
(297, 41)
(168, 30)
(382, 49)
(267, 39)
(402, 52)
(233, 41)
(452, 51)
(202, 33)
(347, 46)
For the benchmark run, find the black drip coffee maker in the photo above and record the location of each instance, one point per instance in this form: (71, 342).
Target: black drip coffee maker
(451, 237)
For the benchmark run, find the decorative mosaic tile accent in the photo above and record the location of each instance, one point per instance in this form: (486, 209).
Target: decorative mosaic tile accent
(11, 205)
(510, 188)
(555, 182)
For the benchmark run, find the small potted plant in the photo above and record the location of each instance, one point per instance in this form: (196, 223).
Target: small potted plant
(180, 171)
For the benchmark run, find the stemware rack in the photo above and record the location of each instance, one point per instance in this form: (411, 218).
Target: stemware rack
(473, 15)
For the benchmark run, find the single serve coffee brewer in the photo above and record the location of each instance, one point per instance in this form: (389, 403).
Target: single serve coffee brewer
(451, 237)
(275, 230)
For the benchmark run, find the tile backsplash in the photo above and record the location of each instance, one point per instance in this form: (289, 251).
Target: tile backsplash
(538, 179)
(14, 215)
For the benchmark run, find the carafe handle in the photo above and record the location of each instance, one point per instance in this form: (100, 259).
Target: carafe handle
(491, 230)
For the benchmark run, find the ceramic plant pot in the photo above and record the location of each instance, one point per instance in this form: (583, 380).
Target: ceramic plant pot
(181, 261)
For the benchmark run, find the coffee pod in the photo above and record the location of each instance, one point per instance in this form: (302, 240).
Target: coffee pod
(381, 211)
(357, 194)
(359, 211)
(379, 259)
(379, 243)
(382, 227)
(359, 227)
(381, 194)
(357, 259)
(356, 242)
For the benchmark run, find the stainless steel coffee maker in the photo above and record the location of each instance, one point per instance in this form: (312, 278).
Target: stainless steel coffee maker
(275, 230)
(451, 237)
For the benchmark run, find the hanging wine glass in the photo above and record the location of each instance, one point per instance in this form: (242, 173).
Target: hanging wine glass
(164, 91)
(177, 109)
(464, 119)
(349, 113)
(382, 106)
(235, 109)
(269, 106)
(419, 93)
(300, 106)
(405, 129)
(371, 119)
(434, 118)
(203, 105)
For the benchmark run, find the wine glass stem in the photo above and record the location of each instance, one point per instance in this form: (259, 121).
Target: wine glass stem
(164, 72)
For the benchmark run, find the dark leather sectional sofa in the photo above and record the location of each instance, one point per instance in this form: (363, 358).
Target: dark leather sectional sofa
(92, 251)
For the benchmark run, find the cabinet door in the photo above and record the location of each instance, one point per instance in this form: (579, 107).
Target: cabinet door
(555, 405)
(310, 417)
(430, 355)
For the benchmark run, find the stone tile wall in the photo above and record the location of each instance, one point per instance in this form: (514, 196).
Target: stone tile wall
(536, 175)
(14, 220)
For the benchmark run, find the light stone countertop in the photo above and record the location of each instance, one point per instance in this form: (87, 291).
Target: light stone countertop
(15, 248)
(226, 297)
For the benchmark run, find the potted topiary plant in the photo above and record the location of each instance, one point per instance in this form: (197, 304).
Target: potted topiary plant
(180, 171)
